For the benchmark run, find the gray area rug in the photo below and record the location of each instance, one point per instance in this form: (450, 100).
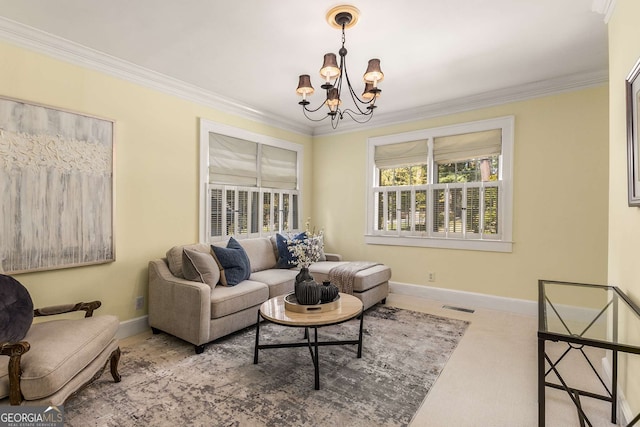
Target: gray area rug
(164, 383)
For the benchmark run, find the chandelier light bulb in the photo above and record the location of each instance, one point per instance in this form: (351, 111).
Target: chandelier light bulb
(370, 91)
(304, 88)
(330, 69)
(333, 99)
(304, 85)
(374, 73)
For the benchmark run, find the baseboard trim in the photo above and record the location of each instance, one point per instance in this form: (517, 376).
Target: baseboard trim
(466, 299)
(132, 327)
(624, 410)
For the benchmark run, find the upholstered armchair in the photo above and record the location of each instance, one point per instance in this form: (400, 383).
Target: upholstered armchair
(54, 359)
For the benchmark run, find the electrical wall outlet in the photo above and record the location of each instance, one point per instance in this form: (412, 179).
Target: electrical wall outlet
(431, 276)
(139, 302)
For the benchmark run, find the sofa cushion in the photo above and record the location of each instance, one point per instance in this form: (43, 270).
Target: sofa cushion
(234, 261)
(200, 267)
(260, 253)
(232, 299)
(60, 349)
(279, 281)
(174, 257)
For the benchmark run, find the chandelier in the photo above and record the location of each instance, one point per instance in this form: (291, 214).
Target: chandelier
(334, 75)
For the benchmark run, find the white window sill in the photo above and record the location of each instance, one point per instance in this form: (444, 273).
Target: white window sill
(434, 242)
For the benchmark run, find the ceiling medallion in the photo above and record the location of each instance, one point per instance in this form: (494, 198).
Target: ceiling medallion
(342, 17)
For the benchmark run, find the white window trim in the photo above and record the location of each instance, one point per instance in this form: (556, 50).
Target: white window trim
(208, 126)
(505, 244)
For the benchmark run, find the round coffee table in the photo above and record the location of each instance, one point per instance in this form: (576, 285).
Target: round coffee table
(274, 311)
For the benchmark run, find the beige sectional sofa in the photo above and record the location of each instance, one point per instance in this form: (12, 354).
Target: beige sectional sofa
(199, 313)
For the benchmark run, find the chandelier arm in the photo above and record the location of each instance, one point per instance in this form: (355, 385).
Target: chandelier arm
(357, 101)
(354, 96)
(334, 121)
(355, 115)
(362, 101)
(336, 118)
(305, 111)
(313, 110)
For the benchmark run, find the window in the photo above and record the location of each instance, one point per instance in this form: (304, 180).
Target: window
(446, 187)
(250, 183)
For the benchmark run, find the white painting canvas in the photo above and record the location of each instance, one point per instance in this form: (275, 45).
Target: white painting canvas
(56, 188)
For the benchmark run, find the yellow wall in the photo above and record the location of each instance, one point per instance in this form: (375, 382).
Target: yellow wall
(156, 173)
(624, 222)
(560, 200)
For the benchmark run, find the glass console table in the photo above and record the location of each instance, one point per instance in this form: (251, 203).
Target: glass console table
(584, 315)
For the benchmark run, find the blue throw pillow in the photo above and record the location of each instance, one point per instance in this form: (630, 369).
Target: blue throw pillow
(285, 258)
(234, 260)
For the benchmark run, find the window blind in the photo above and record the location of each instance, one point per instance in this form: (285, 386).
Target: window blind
(402, 154)
(278, 168)
(232, 160)
(449, 149)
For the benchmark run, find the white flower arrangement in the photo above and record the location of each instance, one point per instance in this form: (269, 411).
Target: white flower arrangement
(309, 249)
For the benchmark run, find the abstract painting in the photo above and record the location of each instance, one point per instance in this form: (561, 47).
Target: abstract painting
(56, 188)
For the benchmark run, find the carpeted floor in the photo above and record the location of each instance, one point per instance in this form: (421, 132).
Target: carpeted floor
(164, 383)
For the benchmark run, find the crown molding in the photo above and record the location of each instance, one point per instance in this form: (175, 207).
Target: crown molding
(604, 7)
(41, 42)
(68, 51)
(475, 102)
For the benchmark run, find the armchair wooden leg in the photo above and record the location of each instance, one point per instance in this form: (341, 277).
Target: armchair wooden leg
(15, 394)
(115, 359)
(15, 352)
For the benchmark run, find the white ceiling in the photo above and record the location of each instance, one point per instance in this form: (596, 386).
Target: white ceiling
(251, 51)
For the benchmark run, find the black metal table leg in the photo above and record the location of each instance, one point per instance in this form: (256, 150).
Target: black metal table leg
(255, 354)
(541, 383)
(308, 338)
(614, 388)
(579, 405)
(614, 367)
(316, 359)
(360, 334)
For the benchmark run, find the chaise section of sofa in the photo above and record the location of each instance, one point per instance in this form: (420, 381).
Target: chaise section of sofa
(370, 285)
(199, 313)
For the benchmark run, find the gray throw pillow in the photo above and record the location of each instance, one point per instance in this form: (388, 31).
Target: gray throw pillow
(16, 310)
(200, 267)
(234, 261)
